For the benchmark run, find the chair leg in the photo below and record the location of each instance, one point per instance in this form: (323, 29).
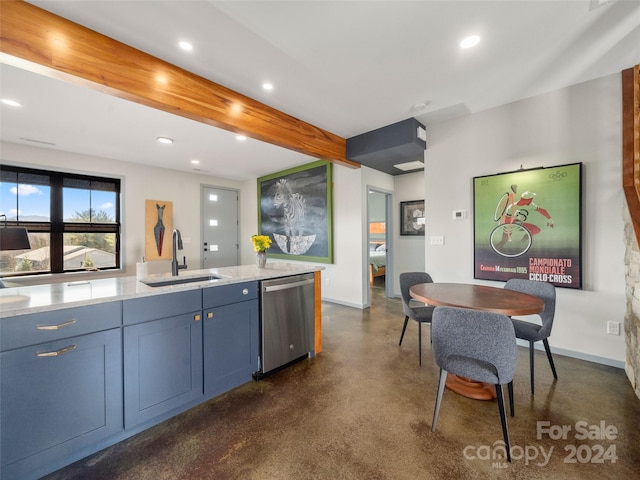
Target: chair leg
(510, 389)
(404, 327)
(531, 364)
(436, 410)
(548, 350)
(503, 420)
(420, 343)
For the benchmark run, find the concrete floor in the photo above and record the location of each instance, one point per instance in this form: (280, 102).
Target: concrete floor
(362, 410)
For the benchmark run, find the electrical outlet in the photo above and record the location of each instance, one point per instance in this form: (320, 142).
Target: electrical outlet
(613, 328)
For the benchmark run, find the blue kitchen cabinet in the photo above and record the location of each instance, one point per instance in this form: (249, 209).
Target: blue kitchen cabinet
(231, 336)
(75, 380)
(59, 399)
(162, 356)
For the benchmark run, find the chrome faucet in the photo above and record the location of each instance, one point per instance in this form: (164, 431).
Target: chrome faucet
(177, 245)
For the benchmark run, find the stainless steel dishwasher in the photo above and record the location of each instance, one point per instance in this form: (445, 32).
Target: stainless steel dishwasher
(287, 321)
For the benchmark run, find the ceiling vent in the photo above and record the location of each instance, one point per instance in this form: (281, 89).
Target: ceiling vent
(387, 148)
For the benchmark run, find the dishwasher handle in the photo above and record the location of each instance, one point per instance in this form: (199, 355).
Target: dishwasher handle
(287, 286)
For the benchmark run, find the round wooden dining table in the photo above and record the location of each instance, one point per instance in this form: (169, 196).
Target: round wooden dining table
(478, 297)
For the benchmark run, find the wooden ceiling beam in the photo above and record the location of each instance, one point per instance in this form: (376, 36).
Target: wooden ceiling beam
(34, 39)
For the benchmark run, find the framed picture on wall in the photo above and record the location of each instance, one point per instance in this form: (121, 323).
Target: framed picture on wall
(527, 224)
(295, 210)
(158, 229)
(412, 218)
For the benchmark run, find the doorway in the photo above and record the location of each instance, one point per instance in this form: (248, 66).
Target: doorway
(220, 225)
(379, 241)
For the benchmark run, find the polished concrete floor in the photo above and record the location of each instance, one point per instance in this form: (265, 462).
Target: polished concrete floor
(362, 410)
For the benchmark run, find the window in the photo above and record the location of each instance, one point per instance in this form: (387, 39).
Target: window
(73, 221)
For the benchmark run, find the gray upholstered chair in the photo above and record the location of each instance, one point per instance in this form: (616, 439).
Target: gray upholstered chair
(477, 345)
(530, 331)
(412, 309)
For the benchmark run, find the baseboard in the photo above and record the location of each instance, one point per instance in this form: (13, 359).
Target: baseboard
(538, 345)
(346, 304)
(579, 355)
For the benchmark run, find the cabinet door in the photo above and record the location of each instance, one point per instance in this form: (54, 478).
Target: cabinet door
(57, 398)
(230, 346)
(162, 366)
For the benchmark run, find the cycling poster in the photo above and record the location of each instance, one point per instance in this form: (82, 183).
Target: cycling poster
(527, 225)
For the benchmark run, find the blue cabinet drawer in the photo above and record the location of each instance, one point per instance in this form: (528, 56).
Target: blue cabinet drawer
(227, 294)
(161, 306)
(35, 328)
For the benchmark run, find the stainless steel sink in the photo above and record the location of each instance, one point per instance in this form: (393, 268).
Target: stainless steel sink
(180, 280)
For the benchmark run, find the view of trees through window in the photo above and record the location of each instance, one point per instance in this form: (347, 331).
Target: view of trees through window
(72, 221)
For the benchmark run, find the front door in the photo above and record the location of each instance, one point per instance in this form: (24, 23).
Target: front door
(219, 227)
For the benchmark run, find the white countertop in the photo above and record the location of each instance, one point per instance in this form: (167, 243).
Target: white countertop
(41, 298)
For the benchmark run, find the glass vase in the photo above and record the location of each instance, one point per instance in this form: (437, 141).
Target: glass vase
(261, 258)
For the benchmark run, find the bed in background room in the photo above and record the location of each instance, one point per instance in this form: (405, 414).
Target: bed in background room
(377, 250)
(377, 260)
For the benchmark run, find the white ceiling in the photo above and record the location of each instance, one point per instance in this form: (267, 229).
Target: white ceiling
(348, 67)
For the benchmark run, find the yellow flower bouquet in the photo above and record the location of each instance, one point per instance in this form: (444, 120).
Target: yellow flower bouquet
(261, 243)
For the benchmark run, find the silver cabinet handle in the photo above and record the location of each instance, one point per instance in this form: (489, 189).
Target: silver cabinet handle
(56, 327)
(245, 291)
(57, 352)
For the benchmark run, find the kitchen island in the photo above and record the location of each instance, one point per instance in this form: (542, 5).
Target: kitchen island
(87, 364)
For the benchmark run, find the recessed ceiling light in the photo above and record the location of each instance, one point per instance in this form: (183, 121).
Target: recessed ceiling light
(267, 86)
(241, 138)
(165, 140)
(10, 102)
(184, 45)
(470, 41)
(195, 162)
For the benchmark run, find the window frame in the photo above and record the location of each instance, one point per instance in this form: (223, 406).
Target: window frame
(56, 227)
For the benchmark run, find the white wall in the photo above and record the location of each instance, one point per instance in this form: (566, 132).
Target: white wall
(248, 220)
(577, 124)
(409, 250)
(139, 183)
(377, 209)
(343, 281)
(346, 280)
